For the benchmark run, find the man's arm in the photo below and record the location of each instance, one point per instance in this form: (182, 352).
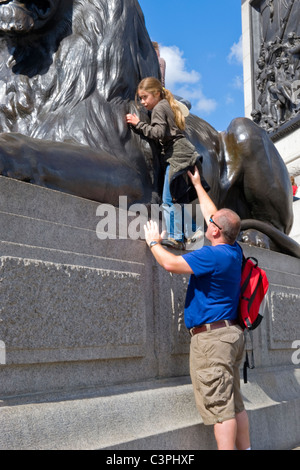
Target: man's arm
(207, 206)
(170, 262)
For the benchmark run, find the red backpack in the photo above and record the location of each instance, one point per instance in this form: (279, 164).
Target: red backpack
(254, 286)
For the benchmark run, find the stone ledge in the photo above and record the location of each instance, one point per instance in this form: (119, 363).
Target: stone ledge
(52, 270)
(151, 415)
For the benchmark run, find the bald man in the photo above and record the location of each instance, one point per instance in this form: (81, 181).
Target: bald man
(217, 341)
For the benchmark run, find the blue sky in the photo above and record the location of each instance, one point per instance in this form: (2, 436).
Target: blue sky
(201, 42)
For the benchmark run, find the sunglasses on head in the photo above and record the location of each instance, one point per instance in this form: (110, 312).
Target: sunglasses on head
(213, 222)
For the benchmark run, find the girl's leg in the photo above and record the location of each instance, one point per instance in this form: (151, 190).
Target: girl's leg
(172, 213)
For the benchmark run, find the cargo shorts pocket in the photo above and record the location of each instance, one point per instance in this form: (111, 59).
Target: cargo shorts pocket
(230, 338)
(215, 386)
(231, 347)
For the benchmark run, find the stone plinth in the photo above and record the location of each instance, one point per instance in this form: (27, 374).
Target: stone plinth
(96, 352)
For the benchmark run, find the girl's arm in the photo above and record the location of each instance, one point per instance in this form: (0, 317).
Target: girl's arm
(156, 130)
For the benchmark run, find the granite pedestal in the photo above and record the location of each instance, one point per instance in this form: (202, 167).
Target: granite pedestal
(93, 346)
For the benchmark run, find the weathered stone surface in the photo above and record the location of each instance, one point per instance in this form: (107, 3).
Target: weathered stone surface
(53, 312)
(96, 351)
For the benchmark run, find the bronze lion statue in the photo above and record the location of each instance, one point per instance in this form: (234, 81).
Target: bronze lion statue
(68, 74)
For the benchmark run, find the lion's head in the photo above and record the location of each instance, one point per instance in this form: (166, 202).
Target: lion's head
(69, 68)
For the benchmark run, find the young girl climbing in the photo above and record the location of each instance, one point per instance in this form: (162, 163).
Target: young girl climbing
(167, 128)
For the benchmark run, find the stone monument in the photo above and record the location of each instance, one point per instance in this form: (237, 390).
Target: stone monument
(67, 83)
(271, 42)
(271, 36)
(93, 351)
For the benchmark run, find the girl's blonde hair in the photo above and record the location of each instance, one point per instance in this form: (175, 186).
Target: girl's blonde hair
(153, 85)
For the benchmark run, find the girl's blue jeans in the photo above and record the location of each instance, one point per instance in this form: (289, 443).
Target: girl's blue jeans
(178, 220)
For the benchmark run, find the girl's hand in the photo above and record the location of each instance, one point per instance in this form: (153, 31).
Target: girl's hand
(132, 119)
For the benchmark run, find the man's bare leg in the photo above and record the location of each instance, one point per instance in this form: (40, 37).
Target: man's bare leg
(225, 434)
(233, 433)
(243, 435)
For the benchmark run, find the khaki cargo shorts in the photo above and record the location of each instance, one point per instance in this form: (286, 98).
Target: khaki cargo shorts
(215, 358)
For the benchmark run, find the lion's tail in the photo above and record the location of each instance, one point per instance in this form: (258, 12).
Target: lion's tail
(283, 241)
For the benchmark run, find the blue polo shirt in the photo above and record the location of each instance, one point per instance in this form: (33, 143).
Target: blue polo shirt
(214, 287)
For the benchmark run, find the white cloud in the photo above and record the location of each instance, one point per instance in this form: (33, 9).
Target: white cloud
(236, 52)
(229, 99)
(184, 83)
(200, 102)
(176, 69)
(238, 82)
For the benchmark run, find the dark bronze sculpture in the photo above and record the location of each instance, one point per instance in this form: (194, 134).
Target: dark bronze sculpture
(68, 75)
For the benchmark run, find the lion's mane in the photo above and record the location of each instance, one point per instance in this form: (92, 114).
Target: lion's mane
(74, 81)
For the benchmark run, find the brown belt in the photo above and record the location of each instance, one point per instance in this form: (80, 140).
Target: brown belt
(212, 326)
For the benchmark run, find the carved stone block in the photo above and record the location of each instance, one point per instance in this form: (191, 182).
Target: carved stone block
(284, 316)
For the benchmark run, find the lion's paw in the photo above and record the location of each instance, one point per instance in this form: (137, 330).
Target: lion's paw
(255, 238)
